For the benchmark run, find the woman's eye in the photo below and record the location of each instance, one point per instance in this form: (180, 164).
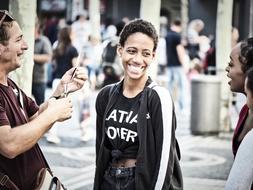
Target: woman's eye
(146, 54)
(130, 51)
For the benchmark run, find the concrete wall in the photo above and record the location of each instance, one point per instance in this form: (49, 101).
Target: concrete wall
(241, 17)
(173, 7)
(117, 9)
(205, 10)
(4, 5)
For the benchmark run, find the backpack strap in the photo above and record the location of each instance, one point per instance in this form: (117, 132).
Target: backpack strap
(5, 181)
(111, 89)
(151, 85)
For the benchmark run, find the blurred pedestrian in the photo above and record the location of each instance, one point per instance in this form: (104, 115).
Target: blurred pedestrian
(111, 65)
(64, 58)
(136, 146)
(108, 28)
(176, 59)
(42, 56)
(22, 122)
(84, 111)
(161, 47)
(81, 30)
(234, 36)
(241, 59)
(197, 45)
(193, 37)
(241, 173)
(51, 28)
(209, 61)
(65, 54)
(92, 59)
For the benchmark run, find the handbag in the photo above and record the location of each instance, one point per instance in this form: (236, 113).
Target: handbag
(47, 181)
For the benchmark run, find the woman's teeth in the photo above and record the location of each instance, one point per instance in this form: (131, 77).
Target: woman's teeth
(135, 68)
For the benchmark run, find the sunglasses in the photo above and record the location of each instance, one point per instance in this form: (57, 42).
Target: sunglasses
(5, 16)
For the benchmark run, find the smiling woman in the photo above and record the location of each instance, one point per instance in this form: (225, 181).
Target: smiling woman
(137, 54)
(136, 146)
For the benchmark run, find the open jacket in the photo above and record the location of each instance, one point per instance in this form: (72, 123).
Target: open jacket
(157, 165)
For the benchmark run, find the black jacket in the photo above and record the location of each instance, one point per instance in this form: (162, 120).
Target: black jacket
(157, 165)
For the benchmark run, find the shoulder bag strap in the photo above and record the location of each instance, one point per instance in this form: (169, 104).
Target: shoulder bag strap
(5, 181)
(21, 101)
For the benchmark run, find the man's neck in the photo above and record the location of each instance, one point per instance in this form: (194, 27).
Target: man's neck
(175, 28)
(3, 78)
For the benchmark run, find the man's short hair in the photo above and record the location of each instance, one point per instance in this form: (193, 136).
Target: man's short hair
(177, 22)
(6, 22)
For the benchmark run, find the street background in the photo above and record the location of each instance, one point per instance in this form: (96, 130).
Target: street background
(206, 160)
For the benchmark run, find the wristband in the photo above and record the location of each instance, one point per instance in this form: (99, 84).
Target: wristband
(57, 97)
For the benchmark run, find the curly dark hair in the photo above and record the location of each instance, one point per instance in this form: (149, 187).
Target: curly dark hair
(246, 54)
(138, 25)
(249, 83)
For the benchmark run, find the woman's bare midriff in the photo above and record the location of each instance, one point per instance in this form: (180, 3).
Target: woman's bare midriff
(125, 163)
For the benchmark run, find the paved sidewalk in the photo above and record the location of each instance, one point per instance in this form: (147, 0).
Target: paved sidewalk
(203, 184)
(205, 161)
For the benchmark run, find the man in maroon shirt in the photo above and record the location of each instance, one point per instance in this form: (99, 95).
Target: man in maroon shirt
(22, 122)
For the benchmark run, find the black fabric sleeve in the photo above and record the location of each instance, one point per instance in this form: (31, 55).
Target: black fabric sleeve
(101, 103)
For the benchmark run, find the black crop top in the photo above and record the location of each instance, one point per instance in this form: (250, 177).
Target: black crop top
(121, 128)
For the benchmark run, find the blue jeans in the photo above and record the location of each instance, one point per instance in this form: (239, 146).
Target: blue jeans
(38, 91)
(177, 80)
(119, 179)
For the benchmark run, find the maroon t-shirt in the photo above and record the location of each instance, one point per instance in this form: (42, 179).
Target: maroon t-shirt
(242, 118)
(23, 169)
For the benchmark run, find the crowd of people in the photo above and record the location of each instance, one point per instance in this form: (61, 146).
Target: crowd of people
(61, 45)
(136, 146)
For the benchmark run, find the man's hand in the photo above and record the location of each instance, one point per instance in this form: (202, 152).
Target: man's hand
(71, 81)
(62, 109)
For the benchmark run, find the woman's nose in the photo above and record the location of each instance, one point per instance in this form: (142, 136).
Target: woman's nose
(138, 58)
